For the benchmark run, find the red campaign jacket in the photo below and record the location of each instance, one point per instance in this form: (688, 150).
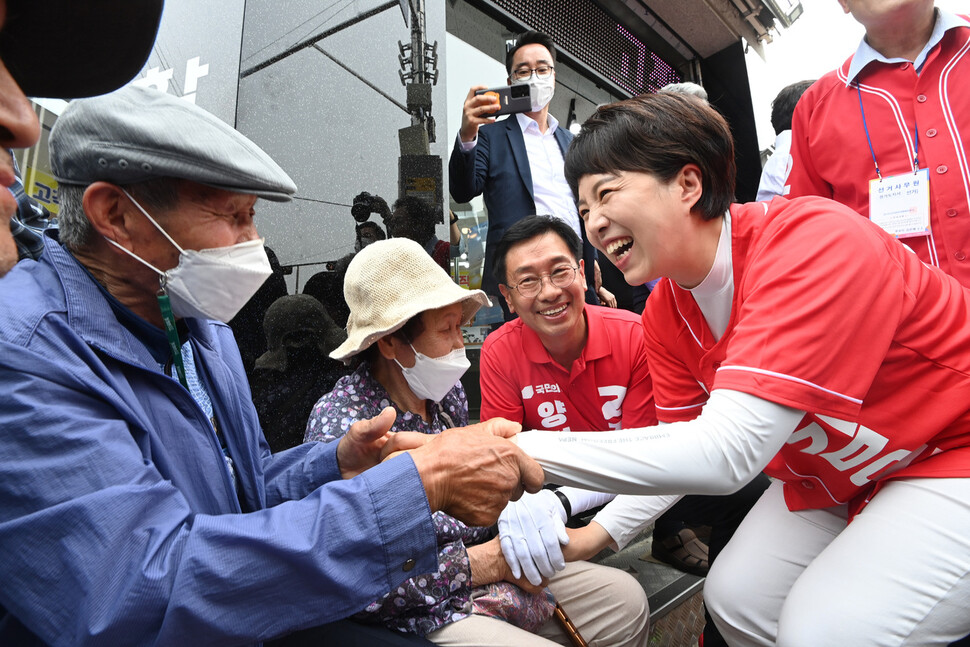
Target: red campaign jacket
(831, 156)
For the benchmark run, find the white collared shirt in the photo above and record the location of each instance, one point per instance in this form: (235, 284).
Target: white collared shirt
(549, 188)
(774, 175)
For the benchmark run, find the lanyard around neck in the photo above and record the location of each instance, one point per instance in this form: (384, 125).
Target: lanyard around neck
(171, 332)
(869, 139)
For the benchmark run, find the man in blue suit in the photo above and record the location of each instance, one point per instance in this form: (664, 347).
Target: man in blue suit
(517, 162)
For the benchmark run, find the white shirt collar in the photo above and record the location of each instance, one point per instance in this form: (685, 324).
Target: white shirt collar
(525, 122)
(865, 54)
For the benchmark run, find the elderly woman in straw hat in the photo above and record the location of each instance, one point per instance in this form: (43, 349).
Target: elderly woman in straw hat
(405, 331)
(405, 328)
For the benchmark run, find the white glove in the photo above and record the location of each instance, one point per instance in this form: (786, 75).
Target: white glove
(530, 532)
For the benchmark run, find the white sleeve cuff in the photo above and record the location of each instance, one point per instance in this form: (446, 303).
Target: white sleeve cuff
(627, 515)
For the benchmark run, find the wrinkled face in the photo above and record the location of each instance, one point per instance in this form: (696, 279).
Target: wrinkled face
(636, 220)
(19, 128)
(441, 335)
(204, 218)
(554, 311)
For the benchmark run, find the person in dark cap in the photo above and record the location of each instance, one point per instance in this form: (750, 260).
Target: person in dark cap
(88, 48)
(296, 369)
(141, 503)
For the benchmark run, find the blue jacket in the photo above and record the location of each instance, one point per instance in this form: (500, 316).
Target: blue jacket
(119, 524)
(498, 167)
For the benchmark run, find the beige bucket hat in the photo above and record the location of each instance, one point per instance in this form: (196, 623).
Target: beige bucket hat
(389, 282)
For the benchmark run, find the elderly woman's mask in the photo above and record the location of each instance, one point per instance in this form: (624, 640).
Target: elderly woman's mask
(432, 377)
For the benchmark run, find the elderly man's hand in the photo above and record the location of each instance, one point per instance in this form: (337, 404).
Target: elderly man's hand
(362, 447)
(471, 473)
(498, 427)
(403, 441)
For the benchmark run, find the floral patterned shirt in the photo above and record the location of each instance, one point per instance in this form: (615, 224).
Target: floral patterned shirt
(429, 601)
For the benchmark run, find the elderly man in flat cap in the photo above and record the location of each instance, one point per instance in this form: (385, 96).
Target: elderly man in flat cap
(63, 49)
(141, 503)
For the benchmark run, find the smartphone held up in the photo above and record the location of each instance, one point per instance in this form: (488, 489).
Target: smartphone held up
(511, 99)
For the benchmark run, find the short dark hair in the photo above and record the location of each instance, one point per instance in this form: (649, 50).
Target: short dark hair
(659, 134)
(529, 38)
(374, 227)
(528, 228)
(784, 105)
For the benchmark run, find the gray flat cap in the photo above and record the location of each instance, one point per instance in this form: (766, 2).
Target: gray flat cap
(138, 134)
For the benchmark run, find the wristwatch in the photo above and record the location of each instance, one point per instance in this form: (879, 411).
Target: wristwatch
(565, 503)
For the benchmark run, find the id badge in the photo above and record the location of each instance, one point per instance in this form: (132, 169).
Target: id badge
(900, 204)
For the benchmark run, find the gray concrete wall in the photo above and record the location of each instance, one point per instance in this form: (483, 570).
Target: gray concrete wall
(331, 132)
(196, 54)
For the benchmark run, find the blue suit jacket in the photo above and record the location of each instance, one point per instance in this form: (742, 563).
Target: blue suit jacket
(498, 166)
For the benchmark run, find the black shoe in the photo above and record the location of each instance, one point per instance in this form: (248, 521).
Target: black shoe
(684, 551)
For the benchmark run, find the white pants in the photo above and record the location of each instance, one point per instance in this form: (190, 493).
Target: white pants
(607, 605)
(897, 575)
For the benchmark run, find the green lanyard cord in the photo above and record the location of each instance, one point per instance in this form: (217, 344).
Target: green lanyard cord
(173, 336)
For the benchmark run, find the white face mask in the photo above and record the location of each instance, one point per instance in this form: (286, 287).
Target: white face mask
(432, 377)
(210, 283)
(540, 90)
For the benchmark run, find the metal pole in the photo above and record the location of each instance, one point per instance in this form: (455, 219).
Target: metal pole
(417, 52)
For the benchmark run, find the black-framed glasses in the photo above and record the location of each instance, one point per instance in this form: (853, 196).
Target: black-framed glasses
(525, 73)
(561, 277)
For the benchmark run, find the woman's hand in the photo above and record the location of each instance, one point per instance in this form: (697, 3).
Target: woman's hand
(488, 566)
(585, 542)
(606, 297)
(470, 472)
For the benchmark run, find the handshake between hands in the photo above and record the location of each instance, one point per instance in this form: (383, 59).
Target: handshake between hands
(534, 538)
(469, 472)
(532, 531)
(472, 473)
